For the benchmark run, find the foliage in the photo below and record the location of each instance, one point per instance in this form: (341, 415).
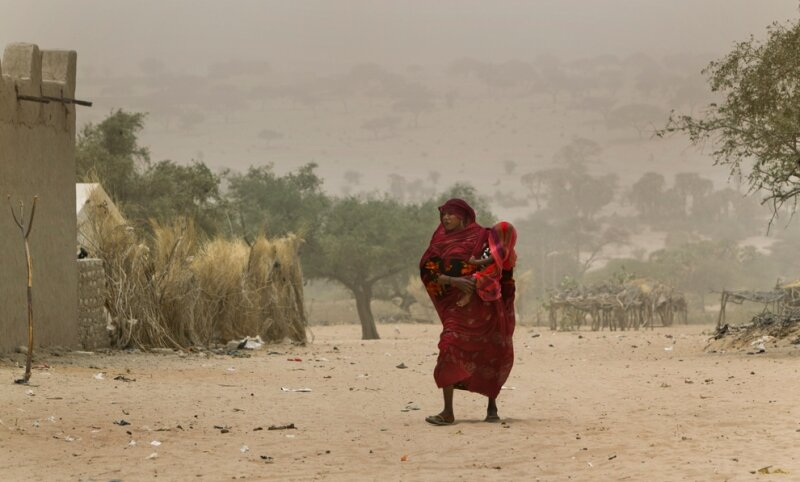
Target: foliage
(755, 127)
(262, 202)
(168, 190)
(111, 152)
(366, 241)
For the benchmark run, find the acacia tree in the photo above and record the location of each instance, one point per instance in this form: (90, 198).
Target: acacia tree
(363, 242)
(756, 125)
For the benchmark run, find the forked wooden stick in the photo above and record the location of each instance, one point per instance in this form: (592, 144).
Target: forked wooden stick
(26, 231)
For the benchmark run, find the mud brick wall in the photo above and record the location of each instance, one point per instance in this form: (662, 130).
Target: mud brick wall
(91, 305)
(37, 157)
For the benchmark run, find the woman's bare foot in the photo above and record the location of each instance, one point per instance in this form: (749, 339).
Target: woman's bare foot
(491, 412)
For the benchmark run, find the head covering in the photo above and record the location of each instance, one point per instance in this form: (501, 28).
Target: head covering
(502, 239)
(461, 244)
(460, 208)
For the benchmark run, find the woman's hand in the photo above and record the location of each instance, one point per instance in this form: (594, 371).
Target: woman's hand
(465, 284)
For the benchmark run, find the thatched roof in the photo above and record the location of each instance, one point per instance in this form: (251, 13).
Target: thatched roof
(88, 198)
(791, 285)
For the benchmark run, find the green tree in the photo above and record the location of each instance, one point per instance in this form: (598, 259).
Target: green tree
(363, 242)
(756, 125)
(110, 151)
(168, 190)
(262, 202)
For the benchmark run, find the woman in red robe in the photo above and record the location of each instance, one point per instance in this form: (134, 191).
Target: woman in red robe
(475, 347)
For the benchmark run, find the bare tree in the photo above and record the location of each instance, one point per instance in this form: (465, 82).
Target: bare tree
(25, 230)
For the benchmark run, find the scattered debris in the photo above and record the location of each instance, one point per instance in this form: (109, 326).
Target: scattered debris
(248, 343)
(288, 426)
(99, 376)
(244, 449)
(402, 365)
(121, 422)
(287, 389)
(763, 328)
(411, 406)
(123, 378)
(769, 470)
(267, 459)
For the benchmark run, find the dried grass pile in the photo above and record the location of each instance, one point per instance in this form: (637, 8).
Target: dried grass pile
(176, 291)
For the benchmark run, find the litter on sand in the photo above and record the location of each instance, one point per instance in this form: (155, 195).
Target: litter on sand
(287, 389)
(288, 426)
(411, 406)
(250, 343)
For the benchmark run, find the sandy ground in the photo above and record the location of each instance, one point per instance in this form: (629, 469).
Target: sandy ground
(649, 405)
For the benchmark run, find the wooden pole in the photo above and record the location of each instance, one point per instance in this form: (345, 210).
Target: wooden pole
(26, 231)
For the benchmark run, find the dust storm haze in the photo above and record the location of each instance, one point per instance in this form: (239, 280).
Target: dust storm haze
(376, 88)
(410, 97)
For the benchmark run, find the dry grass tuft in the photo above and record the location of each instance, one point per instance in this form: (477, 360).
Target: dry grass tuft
(176, 291)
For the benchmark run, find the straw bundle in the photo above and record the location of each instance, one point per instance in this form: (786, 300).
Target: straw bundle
(178, 292)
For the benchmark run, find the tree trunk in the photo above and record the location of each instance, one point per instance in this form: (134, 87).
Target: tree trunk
(363, 295)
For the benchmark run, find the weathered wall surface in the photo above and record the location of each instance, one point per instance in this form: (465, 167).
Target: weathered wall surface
(92, 317)
(37, 144)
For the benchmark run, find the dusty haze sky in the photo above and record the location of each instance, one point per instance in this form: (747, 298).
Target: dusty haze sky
(113, 38)
(323, 33)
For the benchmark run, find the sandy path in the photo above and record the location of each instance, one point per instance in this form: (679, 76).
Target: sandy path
(585, 406)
